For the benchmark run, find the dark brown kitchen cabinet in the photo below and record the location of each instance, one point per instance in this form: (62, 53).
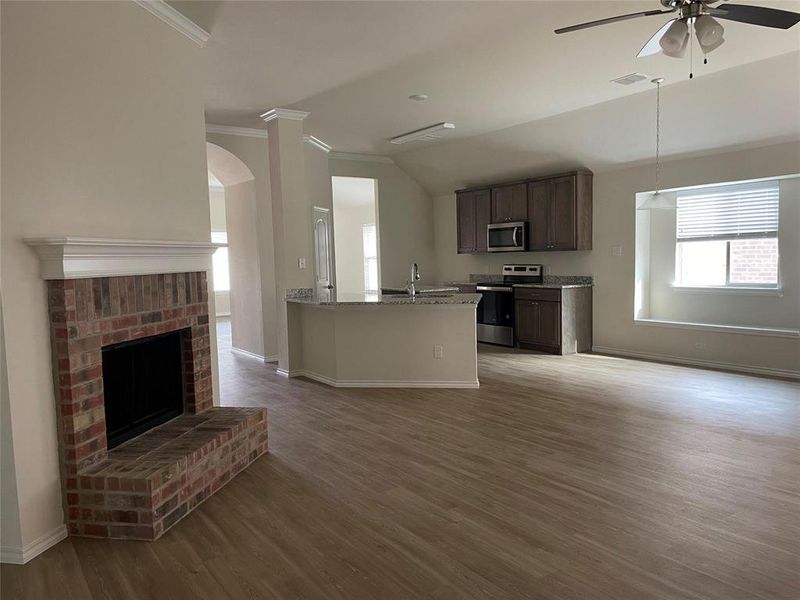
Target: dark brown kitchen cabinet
(560, 212)
(554, 320)
(465, 211)
(483, 216)
(473, 210)
(557, 208)
(509, 203)
(538, 323)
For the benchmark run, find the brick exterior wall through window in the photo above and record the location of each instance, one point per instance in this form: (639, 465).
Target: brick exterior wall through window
(754, 261)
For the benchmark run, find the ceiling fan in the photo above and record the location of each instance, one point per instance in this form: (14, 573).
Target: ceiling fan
(673, 37)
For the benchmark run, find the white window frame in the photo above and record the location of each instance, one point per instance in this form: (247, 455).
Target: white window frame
(368, 259)
(220, 245)
(767, 288)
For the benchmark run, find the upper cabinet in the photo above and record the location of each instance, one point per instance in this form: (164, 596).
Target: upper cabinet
(465, 211)
(509, 203)
(483, 216)
(474, 214)
(558, 210)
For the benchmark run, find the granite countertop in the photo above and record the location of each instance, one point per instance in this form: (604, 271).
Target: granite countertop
(340, 299)
(553, 286)
(546, 286)
(424, 289)
(552, 282)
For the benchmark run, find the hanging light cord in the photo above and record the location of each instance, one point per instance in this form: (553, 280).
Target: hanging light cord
(658, 134)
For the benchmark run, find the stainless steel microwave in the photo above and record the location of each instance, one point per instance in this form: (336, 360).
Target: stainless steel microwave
(507, 237)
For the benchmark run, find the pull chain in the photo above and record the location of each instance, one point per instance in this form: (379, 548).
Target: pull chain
(691, 52)
(658, 81)
(658, 136)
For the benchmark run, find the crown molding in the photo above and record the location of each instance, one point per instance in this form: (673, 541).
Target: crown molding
(284, 113)
(243, 131)
(316, 142)
(79, 257)
(176, 20)
(361, 157)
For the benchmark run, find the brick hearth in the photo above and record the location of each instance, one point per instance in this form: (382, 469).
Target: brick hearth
(141, 488)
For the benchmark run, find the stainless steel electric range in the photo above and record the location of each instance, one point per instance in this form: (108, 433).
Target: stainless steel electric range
(495, 312)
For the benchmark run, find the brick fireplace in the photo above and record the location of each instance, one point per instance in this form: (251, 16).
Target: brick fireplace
(143, 486)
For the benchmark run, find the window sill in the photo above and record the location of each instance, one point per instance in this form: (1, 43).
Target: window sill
(761, 331)
(719, 289)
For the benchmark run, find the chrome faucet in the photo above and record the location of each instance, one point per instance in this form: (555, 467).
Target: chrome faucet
(410, 288)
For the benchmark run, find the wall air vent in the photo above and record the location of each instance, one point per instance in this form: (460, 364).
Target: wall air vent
(629, 79)
(434, 132)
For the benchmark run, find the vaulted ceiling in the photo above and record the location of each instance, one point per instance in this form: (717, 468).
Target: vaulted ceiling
(485, 65)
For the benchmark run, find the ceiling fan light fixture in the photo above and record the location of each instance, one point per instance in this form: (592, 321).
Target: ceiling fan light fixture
(673, 42)
(709, 33)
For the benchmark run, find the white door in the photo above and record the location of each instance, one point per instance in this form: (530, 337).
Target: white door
(322, 249)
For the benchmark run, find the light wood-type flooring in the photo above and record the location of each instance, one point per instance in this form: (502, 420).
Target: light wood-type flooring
(560, 478)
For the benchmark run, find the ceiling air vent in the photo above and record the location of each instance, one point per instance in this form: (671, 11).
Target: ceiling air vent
(629, 79)
(434, 132)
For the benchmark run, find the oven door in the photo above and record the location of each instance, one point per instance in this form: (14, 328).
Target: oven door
(495, 315)
(507, 237)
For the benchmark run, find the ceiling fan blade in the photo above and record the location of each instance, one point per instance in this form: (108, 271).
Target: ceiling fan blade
(653, 46)
(757, 15)
(645, 13)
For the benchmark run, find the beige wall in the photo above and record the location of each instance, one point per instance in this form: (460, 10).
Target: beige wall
(387, 345)
(320, 194)
(405, 220)
(101, 137)
(252, 258)
(246, 296)
(614, 225)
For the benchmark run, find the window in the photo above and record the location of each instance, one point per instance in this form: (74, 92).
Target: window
(219, 261)
(370, 257)
(727, 236)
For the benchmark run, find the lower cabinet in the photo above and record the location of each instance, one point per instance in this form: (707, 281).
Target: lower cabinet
(554, 320)
(539, 323)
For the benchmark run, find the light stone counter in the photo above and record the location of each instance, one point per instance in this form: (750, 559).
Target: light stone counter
(364, 299)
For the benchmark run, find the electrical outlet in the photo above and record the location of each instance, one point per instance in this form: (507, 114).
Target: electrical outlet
(700, 345)
(438, 352)
(301, 263)
(616, 250)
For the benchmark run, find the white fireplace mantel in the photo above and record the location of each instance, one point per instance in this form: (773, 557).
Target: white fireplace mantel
(83, 257)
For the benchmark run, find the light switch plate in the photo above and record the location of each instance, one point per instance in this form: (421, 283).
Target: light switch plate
(616, 250)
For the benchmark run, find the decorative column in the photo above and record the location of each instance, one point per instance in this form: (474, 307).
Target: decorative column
(291, 218)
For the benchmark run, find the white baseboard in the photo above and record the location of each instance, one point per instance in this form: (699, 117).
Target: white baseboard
(14, 555)
(383, 383)
(271, 358)
(241, 352)
(693, 362)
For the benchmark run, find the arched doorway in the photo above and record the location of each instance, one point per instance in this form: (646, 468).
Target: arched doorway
(232, 205)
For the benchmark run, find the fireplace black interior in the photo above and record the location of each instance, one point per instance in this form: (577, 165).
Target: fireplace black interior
(142, 385)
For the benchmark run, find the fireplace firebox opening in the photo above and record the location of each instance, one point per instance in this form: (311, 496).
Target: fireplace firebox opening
(143, 384)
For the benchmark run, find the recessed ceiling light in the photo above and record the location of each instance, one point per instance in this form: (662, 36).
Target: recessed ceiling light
(418, 97)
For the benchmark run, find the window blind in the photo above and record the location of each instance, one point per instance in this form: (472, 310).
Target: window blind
(735, 211)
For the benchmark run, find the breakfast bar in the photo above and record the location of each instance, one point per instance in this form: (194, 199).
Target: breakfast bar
(377, 340)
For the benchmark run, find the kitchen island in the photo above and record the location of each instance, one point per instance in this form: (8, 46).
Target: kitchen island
(376, 340)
